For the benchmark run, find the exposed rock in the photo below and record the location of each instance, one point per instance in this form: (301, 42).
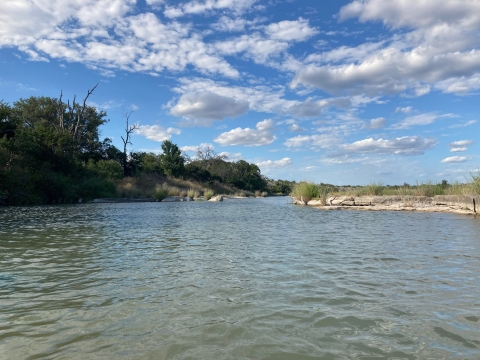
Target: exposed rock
(315, 203)
(216, 198)
(470, 202)
(463, 204)
(339, 200)
(299, 201)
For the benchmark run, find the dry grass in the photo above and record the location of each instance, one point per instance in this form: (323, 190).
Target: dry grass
(157, 186)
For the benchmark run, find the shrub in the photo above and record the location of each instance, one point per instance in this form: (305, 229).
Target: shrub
(160, 192)
(208, 194)
(193, 193)
(305, 190)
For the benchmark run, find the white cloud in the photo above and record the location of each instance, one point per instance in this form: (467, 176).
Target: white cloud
(269, 164)
(157, 132)
(377, 123)
(407, 145)
(413, 13)
(194, 148)
(404, 110)
(462, 143)
(440, 51)
(262, 135)
(454, 159)
(261, 98)
(207, 106)
(80, 31)
(255, 46)
(196, 7)
(295, 128)
(421, 119)
(297, 30)
(458, 149)
(323, 141)
(468, 123)
(310, 108)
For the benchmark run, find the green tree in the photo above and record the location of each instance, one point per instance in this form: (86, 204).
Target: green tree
(172, 161)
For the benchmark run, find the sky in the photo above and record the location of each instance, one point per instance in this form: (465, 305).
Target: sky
(341, 92)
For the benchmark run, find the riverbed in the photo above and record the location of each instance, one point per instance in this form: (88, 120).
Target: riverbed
(242, 279)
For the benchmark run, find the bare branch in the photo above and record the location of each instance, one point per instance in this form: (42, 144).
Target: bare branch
(80, 112)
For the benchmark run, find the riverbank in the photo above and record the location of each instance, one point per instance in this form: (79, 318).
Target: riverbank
(457, 204)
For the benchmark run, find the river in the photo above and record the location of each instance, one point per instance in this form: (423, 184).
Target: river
(242, 279)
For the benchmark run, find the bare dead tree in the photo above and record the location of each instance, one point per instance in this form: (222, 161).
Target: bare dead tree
(126, 141)
(75, 112)
(81, 111)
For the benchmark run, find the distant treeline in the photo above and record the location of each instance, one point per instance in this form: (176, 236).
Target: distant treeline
(51, 152)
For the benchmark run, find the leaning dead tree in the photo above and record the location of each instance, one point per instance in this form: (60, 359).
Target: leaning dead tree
(74, 119)
(126, 141)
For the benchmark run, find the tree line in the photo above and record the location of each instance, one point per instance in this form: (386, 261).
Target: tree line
(51, 152)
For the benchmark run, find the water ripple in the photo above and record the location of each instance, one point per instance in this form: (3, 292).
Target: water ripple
(249, 279)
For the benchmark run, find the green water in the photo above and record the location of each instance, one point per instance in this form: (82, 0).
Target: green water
(243, 279)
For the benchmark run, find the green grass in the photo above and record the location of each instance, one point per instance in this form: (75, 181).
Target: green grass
(307, 191)
(208, 194)
(160, 192)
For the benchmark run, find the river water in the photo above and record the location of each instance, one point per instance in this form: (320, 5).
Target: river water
(242, 279)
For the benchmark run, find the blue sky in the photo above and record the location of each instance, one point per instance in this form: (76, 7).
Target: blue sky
(344, 92)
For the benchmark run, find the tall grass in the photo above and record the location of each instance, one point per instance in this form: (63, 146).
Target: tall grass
(428, 188)
(208, 194)
(474, 183)
(307, 191)
(160, 192)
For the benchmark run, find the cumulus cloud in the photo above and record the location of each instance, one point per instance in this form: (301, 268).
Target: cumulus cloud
(295, 128)
(208, 106)
(377, 123)
(311, 108)
(254, 46)
(157, 132)
(454, 159)
(196, 7)
(413, 13)
(261, 98)
(407, 145)
(462, 143)
(440, 51)
(458, 149)
(297, 30)
(80, 31)
(194, 148)
(262, 135)
(323, 141)
(269, 164)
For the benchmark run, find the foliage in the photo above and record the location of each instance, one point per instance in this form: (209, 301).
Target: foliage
(172, 161)
(160, 193)
(208, 194)
(51, 152)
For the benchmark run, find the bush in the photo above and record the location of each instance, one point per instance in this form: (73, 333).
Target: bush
(305, 191)
(193, 193)
(160, 193)
(208, 194)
